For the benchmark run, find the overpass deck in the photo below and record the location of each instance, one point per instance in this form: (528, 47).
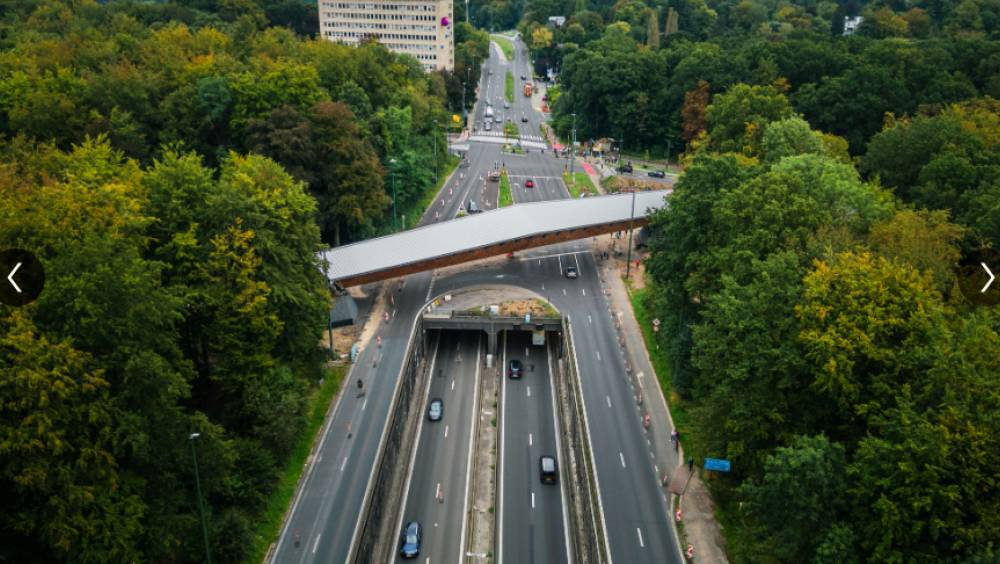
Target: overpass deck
(486, 234)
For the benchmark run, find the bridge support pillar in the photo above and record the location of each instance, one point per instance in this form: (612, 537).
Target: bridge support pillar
(492, 342)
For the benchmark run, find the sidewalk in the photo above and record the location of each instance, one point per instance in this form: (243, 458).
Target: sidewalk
(701, 531)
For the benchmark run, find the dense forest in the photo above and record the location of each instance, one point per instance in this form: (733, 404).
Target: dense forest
(644, 71)
(820, 341)
(176, 167)
(805, 268)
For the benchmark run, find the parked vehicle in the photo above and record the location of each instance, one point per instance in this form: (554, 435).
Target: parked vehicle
(528, 89)
(657, 174)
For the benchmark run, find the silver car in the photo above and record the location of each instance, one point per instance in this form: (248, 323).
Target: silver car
(435, 411)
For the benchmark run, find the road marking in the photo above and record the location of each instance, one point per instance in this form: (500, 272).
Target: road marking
(446, 431)
(598, 355)
(609, 400)
(622, 458)
(638, 532)
(343, 464)
(452, 384)
(584, 291)
(503, 446)
(564, 291)
(590, 319)
(529, 391)
(562, 483)
(529, 439)
(532, 500)
(316, 544)
(468, 460)
(526, 353)
(364, 404)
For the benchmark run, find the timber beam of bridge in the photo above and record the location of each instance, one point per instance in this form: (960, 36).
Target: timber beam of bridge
(489, 234)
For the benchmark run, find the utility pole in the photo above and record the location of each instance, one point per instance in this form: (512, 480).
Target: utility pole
(392, 174)
(466, 11)
(631, 220)
(201, 504)
(572, 149)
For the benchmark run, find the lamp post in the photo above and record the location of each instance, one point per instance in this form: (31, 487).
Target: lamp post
(434, 137)
(201, 504)
(631, 220)
(392, 174)
(572, 148)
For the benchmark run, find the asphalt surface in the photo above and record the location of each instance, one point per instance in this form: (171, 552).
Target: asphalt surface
(532, 516)
(437, 485)
(325, 513)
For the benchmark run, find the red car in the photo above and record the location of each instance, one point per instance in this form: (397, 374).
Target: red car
(529, 183)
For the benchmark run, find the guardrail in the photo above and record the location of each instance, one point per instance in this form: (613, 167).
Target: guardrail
(380, 506)
(590, 542)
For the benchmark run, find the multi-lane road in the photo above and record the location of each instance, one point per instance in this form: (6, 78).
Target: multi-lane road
(323, 521)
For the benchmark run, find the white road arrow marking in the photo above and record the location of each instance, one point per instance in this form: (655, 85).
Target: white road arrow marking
(983, 291)
(10, 278)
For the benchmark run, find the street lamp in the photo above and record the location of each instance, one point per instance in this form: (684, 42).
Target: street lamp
(201, 504)
(572, 149)
(631, 220)
(392, 174)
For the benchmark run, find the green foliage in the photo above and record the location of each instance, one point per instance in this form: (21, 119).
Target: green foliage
(947, 161)
(805, 479)
(506, 197)
(818, 341)
(736, 119)
(508, 88)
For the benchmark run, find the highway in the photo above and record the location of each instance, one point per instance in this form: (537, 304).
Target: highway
(325, 512)
(437, 484)
(532, 516)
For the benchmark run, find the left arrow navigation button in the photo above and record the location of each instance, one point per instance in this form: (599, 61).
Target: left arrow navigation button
(23, 277)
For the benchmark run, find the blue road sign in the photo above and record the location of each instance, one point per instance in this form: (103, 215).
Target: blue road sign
(717, 464)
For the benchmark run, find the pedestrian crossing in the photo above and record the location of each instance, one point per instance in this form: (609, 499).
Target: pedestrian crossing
(533, 138)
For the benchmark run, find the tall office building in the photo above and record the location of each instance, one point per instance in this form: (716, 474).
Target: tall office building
(421, 28)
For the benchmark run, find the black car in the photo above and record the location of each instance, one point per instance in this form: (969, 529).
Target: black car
(410, 543)
(435, 411)
(523, 77)
(625, 167)
(524, 119)
(515, 368)
(657, 174)
(548, 470)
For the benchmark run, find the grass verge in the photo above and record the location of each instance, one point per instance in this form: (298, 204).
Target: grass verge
(583, 184)
(659, 358)
(506, 45)
(506, 198)
(416, 211)
(508, 88)
(316, 407)
(510, 130)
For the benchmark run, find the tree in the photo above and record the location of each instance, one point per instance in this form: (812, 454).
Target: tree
(349, 185)
(789, 137)
(868, 327)
(59, 477)
(653, 29)
(806, 479)
(922, 239)
(693, 112)
(736, 119)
